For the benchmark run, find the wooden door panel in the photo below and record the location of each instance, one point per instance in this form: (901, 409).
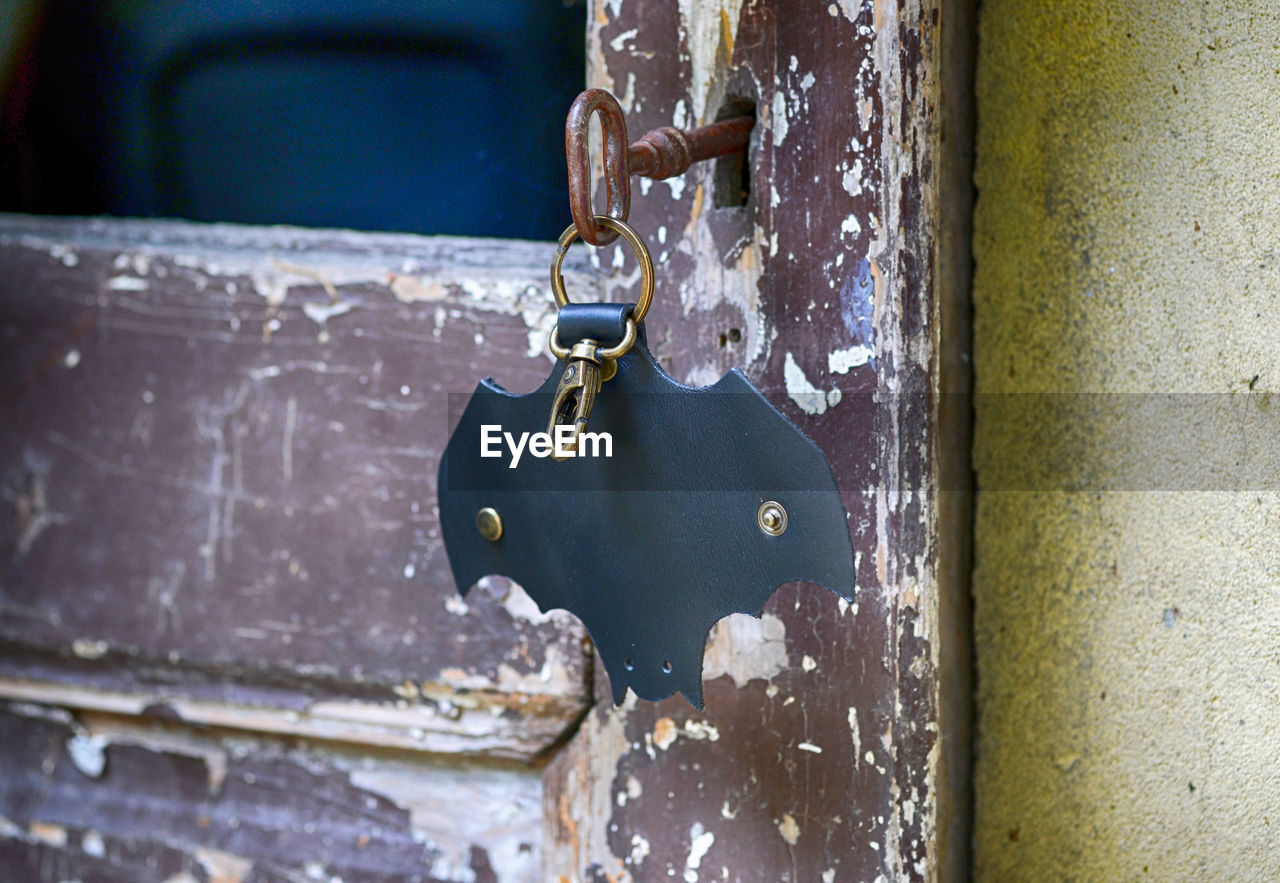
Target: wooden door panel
(218, 449)
(106, 798)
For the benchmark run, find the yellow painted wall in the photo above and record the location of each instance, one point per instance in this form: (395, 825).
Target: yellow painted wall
(1127, 576)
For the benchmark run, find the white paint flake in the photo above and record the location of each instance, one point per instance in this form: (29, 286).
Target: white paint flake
(699, 842)
(789, 830)
(518, 603)
(680, 115)
(92, 844)
(746, 648)
(631, 790)
(127, 283)
(320, 313)
(88, 753)
(808, 397)
(86, 649)
(221, 866)
(851, 182)
(639, 851)
(845, 360)
(810, 747)
(619, 43)
(855, 734)
(779, 118)
(700, 731)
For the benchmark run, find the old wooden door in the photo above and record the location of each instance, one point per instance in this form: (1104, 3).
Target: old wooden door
(834, 741)
(231, 649)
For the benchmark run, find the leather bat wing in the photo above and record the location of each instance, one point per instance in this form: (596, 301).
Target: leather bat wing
(652, 545)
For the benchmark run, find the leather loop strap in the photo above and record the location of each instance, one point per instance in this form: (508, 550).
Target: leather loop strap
(605, 323)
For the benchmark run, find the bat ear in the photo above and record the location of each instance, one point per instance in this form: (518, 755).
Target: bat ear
(619, 690)
(694, 697)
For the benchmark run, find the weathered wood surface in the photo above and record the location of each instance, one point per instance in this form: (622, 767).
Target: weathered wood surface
(218, 451)
(100, 798)
(818, 755)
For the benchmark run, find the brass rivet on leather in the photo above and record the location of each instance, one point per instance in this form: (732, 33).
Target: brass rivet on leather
(489, 522)
(772, 518)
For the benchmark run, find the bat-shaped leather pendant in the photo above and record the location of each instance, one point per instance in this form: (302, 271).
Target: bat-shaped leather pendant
(709, 499)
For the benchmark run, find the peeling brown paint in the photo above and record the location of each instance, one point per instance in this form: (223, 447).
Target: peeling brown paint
(272, 558)
(824, 766)
(284, 811)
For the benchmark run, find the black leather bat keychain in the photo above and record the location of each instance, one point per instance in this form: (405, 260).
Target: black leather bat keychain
(649, 509)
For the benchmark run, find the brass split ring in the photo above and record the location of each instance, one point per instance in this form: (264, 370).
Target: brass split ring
(643, 257)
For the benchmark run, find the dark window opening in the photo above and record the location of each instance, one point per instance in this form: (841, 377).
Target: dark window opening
(409, 115)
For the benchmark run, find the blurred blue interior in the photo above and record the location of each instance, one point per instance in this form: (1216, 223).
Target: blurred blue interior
(426, 116)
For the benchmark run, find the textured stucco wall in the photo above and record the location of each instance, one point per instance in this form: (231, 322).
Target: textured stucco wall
(1127, 607)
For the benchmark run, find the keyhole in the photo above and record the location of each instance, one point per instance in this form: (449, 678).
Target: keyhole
(732, 177)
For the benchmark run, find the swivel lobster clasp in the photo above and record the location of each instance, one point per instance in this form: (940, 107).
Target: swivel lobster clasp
(588, 363)
(575, 396)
